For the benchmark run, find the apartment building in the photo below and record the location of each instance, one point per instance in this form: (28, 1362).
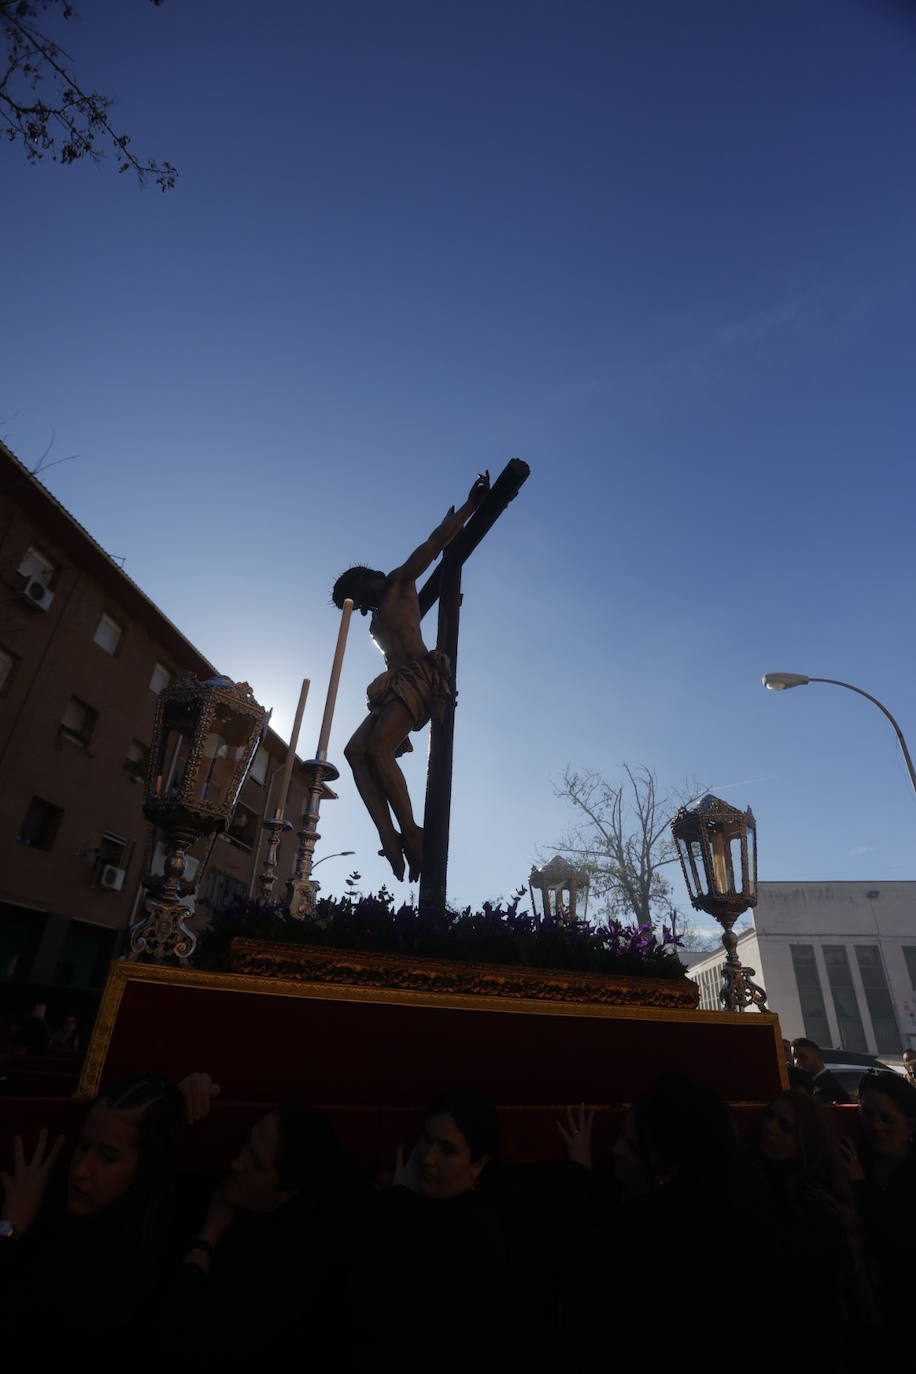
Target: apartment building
(83, 656)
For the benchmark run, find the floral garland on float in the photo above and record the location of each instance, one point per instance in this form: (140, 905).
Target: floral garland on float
(499, 950)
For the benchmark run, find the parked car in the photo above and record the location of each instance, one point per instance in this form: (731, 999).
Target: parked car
(849, 1067)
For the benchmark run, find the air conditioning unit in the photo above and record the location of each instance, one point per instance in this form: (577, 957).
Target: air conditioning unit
(37, 593)
(111, 877)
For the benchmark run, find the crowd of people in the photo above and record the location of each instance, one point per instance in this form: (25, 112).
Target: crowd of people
(805, 1235)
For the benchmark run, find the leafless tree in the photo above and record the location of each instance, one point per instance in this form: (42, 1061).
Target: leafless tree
(42, 104)
(622, 835)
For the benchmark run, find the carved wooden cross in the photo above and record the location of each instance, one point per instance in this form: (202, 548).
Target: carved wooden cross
(444, 586)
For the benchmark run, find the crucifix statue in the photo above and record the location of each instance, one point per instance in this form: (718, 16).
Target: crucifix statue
(418, 684)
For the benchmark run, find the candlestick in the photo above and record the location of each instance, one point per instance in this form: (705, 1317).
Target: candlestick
(291, 752)
(322, 751)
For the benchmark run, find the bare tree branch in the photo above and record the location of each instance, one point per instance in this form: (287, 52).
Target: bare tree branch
(622, 834)
(73, 122)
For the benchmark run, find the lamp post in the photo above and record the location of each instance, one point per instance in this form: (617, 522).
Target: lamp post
(341, 854)
(204, 740)
(781, 682)
(717, 847)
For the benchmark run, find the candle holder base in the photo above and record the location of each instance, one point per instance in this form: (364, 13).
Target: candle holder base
(300, 890)
(276, 828)
(302, 893)
(162, 935)
(739, 990)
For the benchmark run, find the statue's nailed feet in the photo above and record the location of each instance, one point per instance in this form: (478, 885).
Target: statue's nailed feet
(408, 847)
(395, 856)
(413, 852)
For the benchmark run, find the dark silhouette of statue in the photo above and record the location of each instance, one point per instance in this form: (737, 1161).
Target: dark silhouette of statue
(414, 688)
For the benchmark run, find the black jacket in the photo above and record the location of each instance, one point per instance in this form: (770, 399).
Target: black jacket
(826, 1088)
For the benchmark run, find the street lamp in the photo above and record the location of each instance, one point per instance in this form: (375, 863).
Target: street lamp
(781, 682)
(341, 853)
(717, 847)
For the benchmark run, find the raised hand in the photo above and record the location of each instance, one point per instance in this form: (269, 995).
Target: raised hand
(198, 1091)
(479, 489)
(24, 1189)
(407, 1174)
(578, 1137)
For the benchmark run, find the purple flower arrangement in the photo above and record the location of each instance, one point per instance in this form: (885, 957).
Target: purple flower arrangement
(500, 933)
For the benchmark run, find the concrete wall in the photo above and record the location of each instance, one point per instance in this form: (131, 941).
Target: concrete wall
(871, 913)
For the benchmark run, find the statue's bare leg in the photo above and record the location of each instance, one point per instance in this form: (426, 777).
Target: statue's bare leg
(391, 728)
(367, 785)
(381, 784)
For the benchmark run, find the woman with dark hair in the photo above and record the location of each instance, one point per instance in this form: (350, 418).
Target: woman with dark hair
(796, 1139)
(811, 1227)
(443, 1271)
(460, 1137)
(882, 1174)
(67, 1261)
(672, 1215)
(265, 1271)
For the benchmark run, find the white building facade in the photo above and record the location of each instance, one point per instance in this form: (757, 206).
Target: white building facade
(837, 960)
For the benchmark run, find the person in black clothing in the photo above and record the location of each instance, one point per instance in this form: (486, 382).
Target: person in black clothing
(824, 1086)
(678, 1210)
(909, 1066)
(812, 1231)
(76, 1258)
(882, 1173)
(442, 1276)
(265, 1272)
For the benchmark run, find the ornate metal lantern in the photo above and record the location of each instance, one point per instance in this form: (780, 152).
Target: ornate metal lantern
(559, 876)
(205, 737)
(717, 847)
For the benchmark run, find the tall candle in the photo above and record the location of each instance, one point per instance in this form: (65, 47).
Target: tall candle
(325, 735)
(291, 752)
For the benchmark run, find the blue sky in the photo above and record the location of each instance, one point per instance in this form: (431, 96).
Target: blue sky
(662, 252)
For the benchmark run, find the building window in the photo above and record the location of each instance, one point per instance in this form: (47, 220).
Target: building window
(108, 634)
(137, 760)
(909, 954)
(78, 722)
(223, 888)
(160, 679)
(258, 772)
(244, 827)
(808, 981)
(845, 1002)
(35, 567)
(109, 862)
(85, 956)
(20, 935)
(880, 1006)
(709, 981)
(41, 824)
(8, 662)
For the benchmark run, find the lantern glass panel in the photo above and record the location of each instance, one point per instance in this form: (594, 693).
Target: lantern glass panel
(718, 876)
(174, 761)
(683, 853)
(752, 861)
(697, 866)
(737, 871)
(224, 750)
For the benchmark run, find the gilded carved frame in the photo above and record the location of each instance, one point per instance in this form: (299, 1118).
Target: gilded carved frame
(123, 972)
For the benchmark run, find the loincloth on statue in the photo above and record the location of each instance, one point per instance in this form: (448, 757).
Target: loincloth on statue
(423, 686)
